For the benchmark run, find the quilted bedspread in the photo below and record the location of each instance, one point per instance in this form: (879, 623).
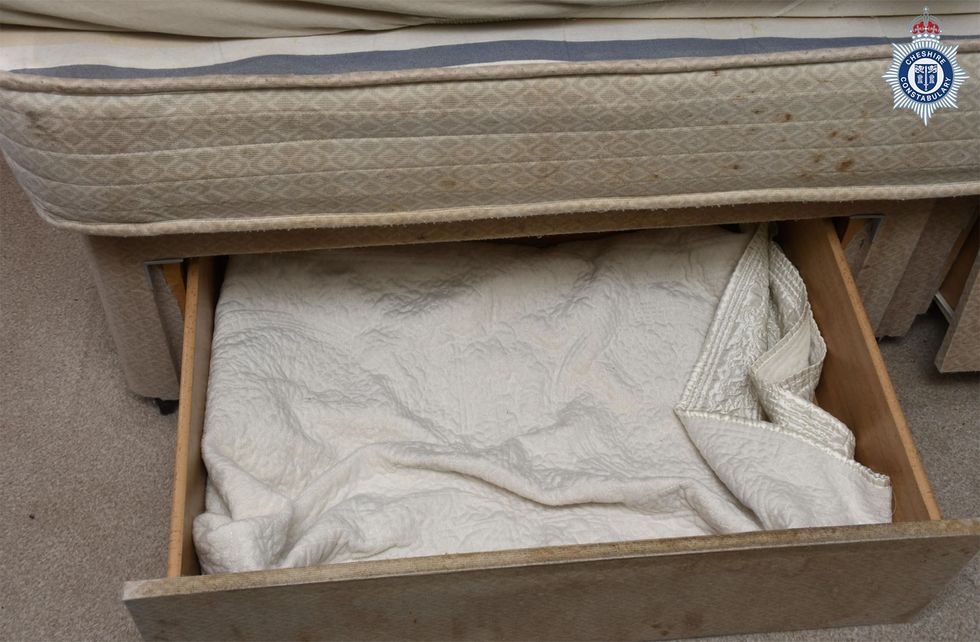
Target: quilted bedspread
(381, 403)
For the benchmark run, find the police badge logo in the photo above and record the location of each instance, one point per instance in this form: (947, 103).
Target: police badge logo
(924, 74)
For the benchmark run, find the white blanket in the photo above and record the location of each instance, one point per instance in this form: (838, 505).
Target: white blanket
(380, 403)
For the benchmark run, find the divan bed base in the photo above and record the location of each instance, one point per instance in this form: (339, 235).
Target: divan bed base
(138, 322)
(959, 300)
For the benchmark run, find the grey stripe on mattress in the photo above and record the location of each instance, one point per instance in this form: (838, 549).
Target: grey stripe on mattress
(467, 54)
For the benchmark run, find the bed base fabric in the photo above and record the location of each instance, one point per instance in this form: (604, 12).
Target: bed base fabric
(960, 350)
(959, 300)
(137, 325)
(900, 261)
(948, 222)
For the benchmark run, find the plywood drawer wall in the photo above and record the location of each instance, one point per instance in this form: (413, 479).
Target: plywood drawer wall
(768, 581)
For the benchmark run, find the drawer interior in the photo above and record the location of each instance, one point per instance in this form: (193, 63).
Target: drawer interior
(854, 387)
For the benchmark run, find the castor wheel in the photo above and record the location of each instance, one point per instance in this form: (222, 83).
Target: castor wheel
(166, 406)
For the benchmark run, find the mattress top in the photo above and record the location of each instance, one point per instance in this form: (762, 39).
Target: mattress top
(108, 55)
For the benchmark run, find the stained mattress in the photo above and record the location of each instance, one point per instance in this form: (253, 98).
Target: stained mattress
(371, 404)
(125, 134)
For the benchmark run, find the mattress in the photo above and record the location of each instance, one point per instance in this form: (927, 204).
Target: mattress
(124, 134)
(397, 402)
(270, 18)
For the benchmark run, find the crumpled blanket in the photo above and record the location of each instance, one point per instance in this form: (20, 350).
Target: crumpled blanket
(394, 402)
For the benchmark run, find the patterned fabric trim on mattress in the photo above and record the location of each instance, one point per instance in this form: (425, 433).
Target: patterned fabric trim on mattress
(237, 151)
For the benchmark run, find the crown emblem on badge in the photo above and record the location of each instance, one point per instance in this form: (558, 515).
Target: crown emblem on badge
(924, 74)
(925, 27)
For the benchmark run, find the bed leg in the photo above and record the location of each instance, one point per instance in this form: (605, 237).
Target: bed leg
(166, 406)
(134, 317)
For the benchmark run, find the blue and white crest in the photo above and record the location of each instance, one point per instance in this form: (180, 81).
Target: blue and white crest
(924, 74)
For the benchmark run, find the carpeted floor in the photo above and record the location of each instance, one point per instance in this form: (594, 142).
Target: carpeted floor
(85, 466)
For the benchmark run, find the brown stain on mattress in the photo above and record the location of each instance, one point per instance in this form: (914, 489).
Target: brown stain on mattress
(851, 137)
(37, 122)
(845, 165)
(817, 157)
(833, 134)
(787, 117)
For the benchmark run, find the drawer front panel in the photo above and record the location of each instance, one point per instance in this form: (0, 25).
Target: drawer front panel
(875, 574)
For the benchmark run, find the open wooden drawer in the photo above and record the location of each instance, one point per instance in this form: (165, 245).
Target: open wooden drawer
(767, 581)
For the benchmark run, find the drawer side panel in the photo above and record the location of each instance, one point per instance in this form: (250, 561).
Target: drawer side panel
(855, 386)
(189, 473)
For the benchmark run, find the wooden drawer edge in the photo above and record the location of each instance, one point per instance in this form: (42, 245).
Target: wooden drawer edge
(884, 441)
(952, 534)
(190, 475)
(858, 577)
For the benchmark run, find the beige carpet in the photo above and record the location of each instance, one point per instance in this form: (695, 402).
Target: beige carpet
(85, 466)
